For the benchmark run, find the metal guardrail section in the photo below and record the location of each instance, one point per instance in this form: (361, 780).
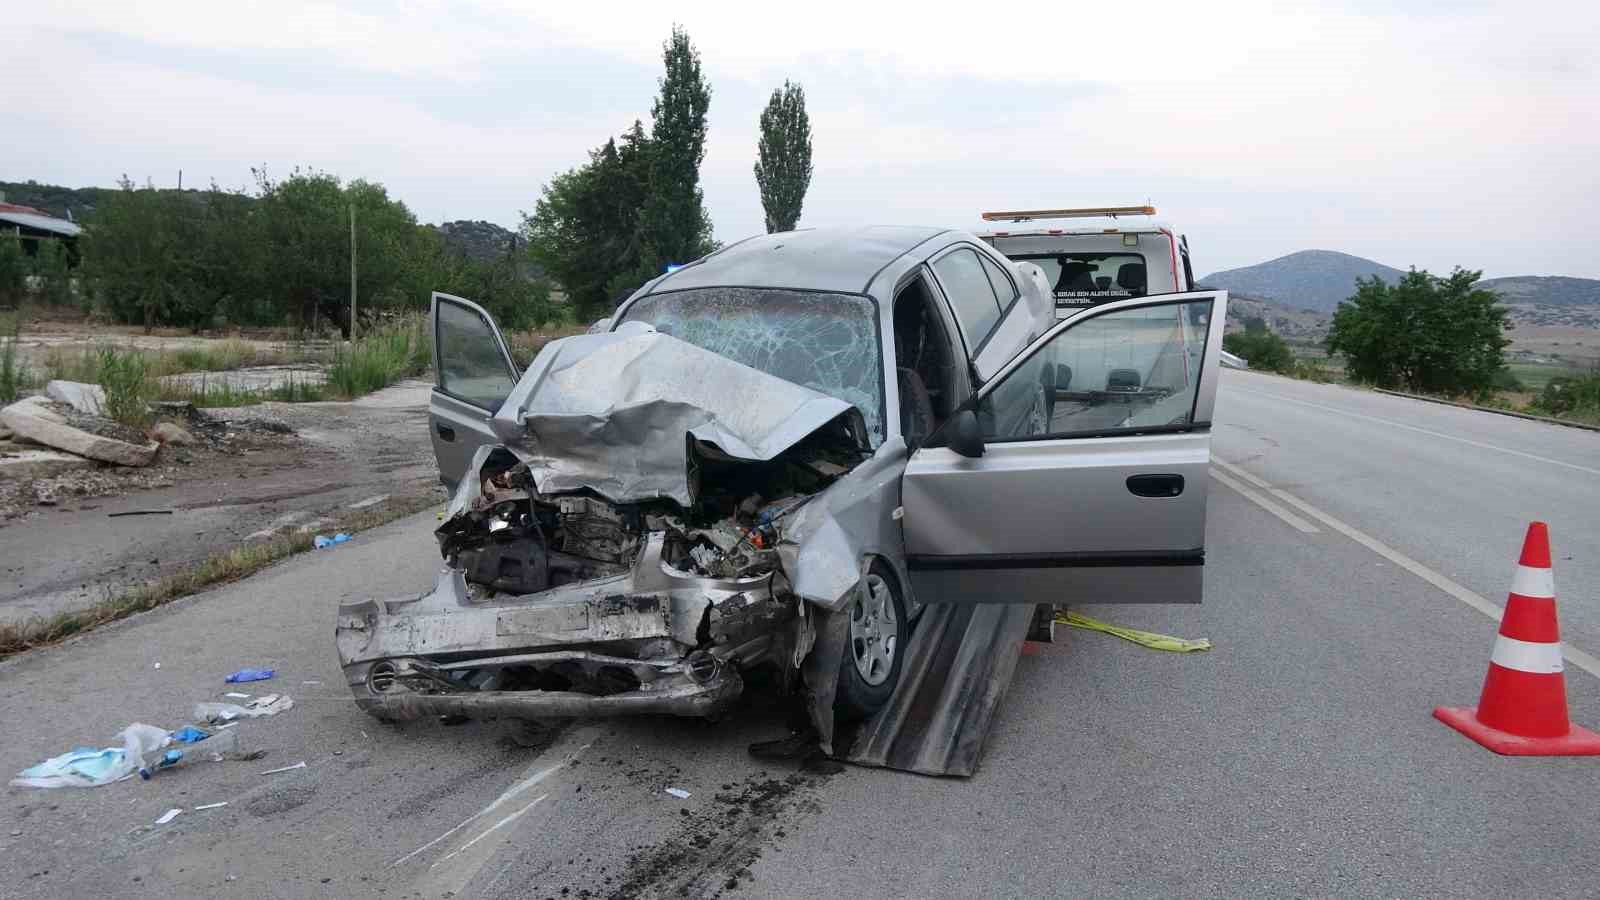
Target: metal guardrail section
(957, 668)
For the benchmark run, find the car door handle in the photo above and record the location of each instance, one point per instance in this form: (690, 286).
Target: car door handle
(1155, 485)
(444, 431)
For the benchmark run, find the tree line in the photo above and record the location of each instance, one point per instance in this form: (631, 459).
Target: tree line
(605, 228)
(280, 252)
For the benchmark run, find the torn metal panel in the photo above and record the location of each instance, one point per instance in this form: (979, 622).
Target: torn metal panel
(822, 545)
(958, 665)
(821, 671)
(613, 413)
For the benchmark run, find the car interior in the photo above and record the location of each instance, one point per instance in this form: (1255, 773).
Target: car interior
(924, 364)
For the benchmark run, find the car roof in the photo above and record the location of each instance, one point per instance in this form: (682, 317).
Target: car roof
(842, 260)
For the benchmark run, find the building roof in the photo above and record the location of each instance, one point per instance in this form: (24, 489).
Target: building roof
(818, 259)
(28, 217)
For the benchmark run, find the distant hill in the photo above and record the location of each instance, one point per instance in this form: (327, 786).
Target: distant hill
(482, 241)
(1311, 279)
(56, 200)
(1545, 290)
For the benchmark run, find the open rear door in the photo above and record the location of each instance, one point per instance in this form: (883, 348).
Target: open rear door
(1090, 482)
(473, 375)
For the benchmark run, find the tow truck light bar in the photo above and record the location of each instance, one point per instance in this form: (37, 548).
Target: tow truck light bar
(1027, 215)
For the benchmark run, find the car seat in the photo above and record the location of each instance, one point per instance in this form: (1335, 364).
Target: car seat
(1130, 277)
(916, 407)
(1075, 276)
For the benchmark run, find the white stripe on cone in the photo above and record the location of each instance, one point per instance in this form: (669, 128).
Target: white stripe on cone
(1526, 656)
(1531, 582)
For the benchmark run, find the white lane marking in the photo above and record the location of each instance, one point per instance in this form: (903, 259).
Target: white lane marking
(1438, 434)
(1531, 582)
(1575, 656)
(1526, 656)
(506, 796)
(508, 819)
(1293, 520)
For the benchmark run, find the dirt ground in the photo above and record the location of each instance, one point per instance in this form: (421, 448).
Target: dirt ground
(259, 470)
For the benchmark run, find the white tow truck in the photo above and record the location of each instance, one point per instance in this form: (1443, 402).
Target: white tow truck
(1090, 264)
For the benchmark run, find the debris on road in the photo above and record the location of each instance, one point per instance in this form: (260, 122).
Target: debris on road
(211, 806)
(170, 434)
(267, 705)
(299, 765)
(244, 675)
(168, 816)
(88, 767)
(200, 745)
(139, 512)
(42, 421)
(680, 793)
(321, 541)
(1143, 638)
(236, 695)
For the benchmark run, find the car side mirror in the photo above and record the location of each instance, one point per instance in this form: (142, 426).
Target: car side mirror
(966, 438)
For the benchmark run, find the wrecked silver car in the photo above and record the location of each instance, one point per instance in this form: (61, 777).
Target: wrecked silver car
(767, 460)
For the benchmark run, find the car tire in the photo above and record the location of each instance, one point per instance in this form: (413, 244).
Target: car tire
(876, 638)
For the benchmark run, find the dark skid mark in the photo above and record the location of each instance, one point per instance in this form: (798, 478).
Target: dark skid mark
(712, 849)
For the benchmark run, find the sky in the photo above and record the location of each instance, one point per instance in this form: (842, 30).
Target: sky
(1429, 134)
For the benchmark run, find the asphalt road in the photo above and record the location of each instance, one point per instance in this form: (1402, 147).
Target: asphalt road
(1298, 757)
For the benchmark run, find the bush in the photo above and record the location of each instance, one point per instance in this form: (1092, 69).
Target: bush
(1426, 334)
(125, 377)
(381, 358)
(1506, 380)
(1571, 397)
(11, 376)
(1263, 349)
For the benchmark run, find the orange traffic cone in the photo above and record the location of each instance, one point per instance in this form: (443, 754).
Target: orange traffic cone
(1523, 710)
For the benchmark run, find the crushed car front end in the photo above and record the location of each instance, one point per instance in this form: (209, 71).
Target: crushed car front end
(591, 573)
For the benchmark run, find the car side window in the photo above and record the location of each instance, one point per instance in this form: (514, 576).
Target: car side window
(970, 293)
(1004, 290)
(1129, 370)
(471, 365)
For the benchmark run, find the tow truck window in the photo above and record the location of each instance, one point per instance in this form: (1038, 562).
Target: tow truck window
(1088, 279)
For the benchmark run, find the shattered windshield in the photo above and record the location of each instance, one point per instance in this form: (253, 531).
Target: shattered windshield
(826, 342)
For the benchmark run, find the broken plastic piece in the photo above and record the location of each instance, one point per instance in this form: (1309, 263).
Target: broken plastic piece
(168, 816)
(211, 806)
(322, 540)
(244, 675)
(268, 705)
(680, 793)
(299, 765)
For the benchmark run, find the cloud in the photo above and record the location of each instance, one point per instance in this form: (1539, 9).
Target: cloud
(1413, 132)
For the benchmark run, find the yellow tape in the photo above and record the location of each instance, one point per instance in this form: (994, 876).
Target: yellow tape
(1143, 638)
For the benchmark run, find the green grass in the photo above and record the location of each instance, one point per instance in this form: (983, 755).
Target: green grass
(380, 358)
(219, 568)
(12, 375)
(1534, 376)
(128, 385)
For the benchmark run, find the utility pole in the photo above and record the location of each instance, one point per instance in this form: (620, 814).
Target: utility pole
(352, 273)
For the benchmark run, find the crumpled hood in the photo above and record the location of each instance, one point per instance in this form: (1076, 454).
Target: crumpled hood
(614, 412)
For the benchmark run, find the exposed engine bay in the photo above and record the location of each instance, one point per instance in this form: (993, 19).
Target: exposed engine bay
(515, 540)
(572, 604)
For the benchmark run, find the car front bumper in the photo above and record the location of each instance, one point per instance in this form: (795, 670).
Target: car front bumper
(651, 640)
